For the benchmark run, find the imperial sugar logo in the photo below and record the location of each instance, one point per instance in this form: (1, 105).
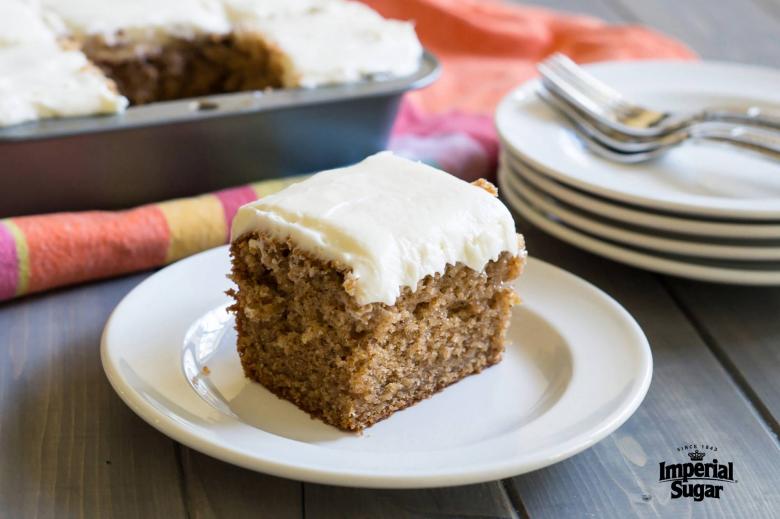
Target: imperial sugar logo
(699, 476)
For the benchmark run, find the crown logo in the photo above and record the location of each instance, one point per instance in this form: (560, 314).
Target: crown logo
(696, 455)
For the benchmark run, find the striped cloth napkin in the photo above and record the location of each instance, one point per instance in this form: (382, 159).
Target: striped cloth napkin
(486, 48)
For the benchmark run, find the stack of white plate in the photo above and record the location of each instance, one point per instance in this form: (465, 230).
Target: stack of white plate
(701, 211)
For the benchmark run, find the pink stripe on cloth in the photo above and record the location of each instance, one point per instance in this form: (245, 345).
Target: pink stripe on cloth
(465, 145)
(9, 264)
(232, 199)
(456, 153)
(413, 120)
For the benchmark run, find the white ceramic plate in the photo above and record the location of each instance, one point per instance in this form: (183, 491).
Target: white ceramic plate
(629, 234)
(576, 368)
(639, 216)
(704, 180)
(721, 272)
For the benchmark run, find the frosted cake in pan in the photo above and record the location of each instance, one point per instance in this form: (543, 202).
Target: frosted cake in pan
(156, 50)
(41, 77)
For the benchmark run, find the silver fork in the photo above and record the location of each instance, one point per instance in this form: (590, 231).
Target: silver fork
(612, 147)
(602, 102)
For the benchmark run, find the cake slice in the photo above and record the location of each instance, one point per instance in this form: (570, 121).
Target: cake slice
(365, 289)
(321, 42)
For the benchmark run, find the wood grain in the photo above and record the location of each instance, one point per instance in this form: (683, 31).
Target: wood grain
(731, 30)
(474, 501)
(606, 10)
(742, 326)
(692, 399)
(216, 489)
(69, 447)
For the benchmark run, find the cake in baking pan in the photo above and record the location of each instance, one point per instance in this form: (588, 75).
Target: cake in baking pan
(328, 41)
(41, 76)
(365, 289)
(157, 50)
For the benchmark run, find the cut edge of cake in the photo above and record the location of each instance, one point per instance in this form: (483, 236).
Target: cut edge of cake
(158, 50)
(304, 334)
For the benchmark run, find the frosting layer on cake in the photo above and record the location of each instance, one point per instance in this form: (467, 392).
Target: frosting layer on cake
(324, 42)
(22, 22)
(391, 220)
(41, 80)
(140, 21)
(157, 50)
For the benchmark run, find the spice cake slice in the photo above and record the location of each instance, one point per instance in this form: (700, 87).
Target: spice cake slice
(365, 289)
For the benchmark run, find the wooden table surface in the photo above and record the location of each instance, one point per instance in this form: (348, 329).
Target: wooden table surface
(69, 447)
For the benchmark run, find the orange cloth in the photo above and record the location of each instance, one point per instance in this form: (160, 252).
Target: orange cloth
(487, 47)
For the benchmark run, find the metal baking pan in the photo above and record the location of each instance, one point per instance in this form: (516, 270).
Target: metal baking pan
(186, 147)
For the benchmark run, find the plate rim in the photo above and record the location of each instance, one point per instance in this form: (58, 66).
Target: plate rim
(703, 211)
(583, 440)
(632, 238)
(634, 258)
(612, 209)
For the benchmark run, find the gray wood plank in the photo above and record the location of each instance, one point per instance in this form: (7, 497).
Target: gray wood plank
(742, 326)
(69, 447)
(770, 7)
(604, 9)
(217, 489)
(474, 501)
(692, 400)
(731, 30)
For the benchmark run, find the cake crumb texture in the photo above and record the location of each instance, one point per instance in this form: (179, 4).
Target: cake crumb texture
(304, 337)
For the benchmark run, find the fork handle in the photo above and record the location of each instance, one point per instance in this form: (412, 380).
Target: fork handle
(752, 115)
(762, 142)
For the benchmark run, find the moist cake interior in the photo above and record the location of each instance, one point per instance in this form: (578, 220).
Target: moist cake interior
(188, 68)
(303, 336)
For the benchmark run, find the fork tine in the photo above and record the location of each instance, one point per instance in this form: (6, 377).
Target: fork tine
(580, 76)
(575, 97)
(592, 142)
(585, 82)
(554, 66)
(609, 138)
(586, 78)
(600, 101)
(574, 89)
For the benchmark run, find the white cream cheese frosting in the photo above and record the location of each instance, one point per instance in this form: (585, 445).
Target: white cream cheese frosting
(23, 22)
(329, 42)
(41, 80)
(140, 21)
(391, 220)
(240, 11)
(318, 42)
